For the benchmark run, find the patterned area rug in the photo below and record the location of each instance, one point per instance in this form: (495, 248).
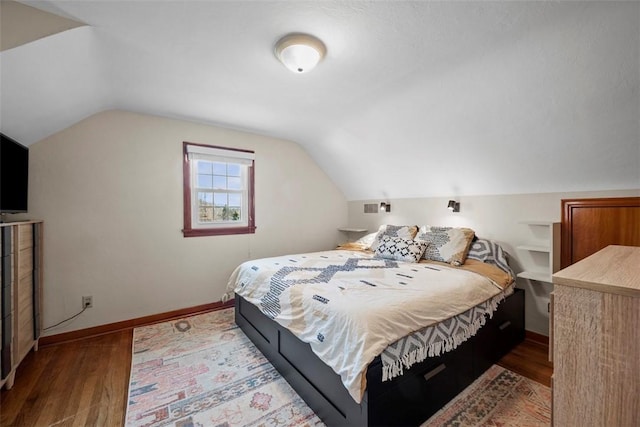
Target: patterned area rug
(203, 371)
(499, 398)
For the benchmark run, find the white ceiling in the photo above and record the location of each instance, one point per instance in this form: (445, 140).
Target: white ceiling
(413, 99)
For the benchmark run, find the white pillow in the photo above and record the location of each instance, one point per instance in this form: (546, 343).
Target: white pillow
(367, 240)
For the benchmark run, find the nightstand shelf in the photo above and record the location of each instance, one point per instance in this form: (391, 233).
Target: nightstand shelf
(352, 233)
(535, 248)
(542, 253)
(539, 276)
(353, 230)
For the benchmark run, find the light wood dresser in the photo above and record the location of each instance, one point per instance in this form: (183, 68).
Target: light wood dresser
(595, 340)
(21, 280)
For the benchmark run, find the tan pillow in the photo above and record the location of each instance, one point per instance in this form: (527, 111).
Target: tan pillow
(446, 244)
(353, 246)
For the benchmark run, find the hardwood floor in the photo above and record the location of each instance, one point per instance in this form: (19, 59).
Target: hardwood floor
(530, 359)
(84, 383)
(80, 383)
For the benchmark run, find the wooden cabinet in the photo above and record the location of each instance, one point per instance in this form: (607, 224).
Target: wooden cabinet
(21, 277)
(589, 225)
(596, 340)
(541, 254)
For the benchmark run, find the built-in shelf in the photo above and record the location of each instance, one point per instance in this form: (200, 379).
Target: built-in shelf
(543, 251)
(533, 275)
(535, 222)
(353, 230)
(352, 233)
(534, 248)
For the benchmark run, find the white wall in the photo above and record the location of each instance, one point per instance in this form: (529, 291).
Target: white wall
(109, 190)
(492, 217)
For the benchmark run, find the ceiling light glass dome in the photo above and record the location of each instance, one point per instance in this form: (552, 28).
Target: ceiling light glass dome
(300, 52)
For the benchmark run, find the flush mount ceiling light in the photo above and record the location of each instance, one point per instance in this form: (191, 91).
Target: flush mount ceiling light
(300, 52)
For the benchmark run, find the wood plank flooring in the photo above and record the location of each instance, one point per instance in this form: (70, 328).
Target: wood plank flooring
(84, 383)
(80, 383)
(530, 359)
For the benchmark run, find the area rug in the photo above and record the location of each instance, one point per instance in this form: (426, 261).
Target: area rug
(203, 371)
(499, 398)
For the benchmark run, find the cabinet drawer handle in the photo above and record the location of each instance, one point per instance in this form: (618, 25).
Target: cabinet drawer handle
(435, 371)
(505, 325)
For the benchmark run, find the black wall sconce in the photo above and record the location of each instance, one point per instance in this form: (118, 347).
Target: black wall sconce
(385, 207)
(453, 206)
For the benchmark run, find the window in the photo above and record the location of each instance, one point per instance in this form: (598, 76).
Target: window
(218, 190)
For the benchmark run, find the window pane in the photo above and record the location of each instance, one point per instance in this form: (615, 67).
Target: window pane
(206, 214)
(220, 213)
(234, 183)
(220, 182)
(235, 199)
(205, 198)
(205, 181)
(219, 168)
(235, 213)
(220, 199)
(233, 169)
(204, 167)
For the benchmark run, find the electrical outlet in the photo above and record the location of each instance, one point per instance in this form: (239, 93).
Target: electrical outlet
(87, 302)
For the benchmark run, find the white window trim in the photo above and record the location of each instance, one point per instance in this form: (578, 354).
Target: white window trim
(195, 214)
(245, 159)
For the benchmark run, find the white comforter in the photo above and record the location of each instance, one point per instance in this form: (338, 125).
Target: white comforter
(350, 306)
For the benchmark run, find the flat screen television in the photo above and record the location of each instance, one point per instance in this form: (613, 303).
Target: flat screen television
(14, 175)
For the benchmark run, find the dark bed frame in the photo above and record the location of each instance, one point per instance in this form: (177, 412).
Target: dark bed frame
(404, 401)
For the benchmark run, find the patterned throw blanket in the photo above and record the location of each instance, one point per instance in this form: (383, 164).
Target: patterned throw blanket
(351, 307)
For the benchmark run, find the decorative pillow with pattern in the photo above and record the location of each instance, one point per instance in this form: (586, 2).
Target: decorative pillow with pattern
(492, 253)
(400, 249)
(446, 244)
(403, 231)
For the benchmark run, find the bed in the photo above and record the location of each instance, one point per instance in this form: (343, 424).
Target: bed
(404, 349)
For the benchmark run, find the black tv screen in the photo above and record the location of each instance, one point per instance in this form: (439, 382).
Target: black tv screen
(14, 175)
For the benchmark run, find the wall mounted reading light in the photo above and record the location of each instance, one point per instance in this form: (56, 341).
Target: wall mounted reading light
(300, 52)
(453, 206)
(385, 207)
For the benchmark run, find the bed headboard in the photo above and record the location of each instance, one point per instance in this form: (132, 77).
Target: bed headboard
(589, 225)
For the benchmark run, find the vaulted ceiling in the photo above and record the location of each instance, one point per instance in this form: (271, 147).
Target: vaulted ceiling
(412, 99)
